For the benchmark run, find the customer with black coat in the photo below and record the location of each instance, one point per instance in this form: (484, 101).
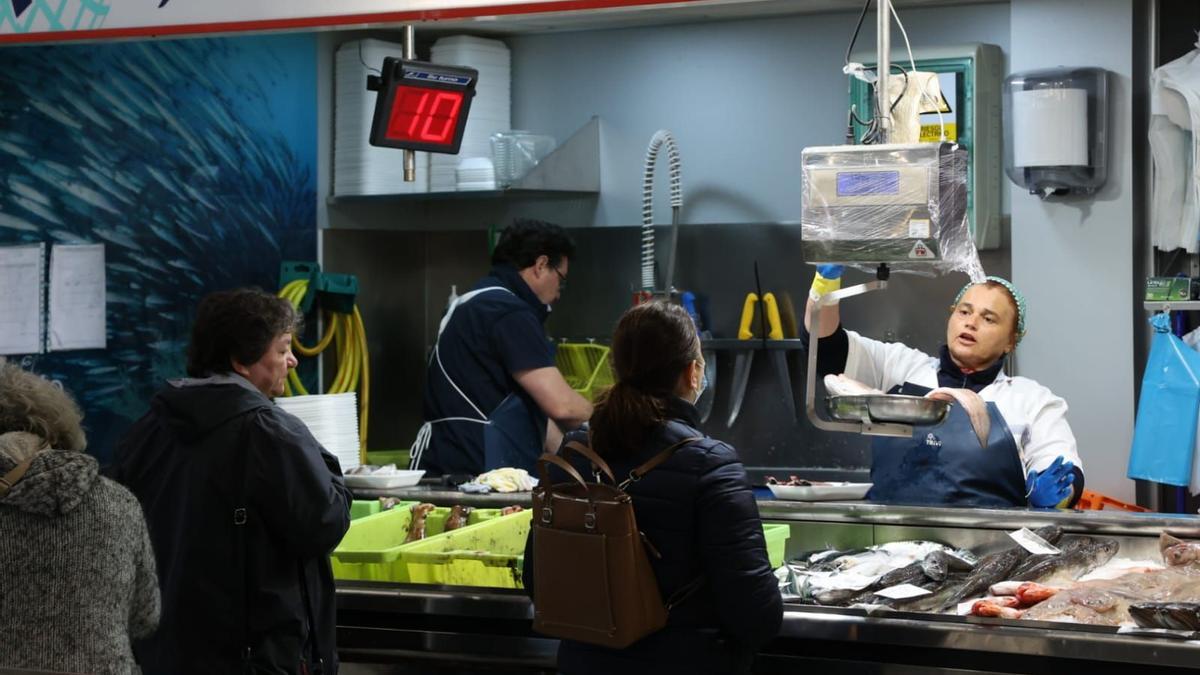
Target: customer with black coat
(243, 504)
(697, 509)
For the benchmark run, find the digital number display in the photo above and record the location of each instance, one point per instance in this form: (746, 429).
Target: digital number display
(863, 183)
(423, 115)
(421, 106)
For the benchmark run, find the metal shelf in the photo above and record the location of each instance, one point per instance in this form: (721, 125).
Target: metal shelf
(1168, 305)
(571, 170)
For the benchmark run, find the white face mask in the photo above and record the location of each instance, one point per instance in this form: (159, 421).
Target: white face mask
(703, 384)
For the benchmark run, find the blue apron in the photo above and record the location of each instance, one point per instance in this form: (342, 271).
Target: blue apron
(944, 464)
(513, 433)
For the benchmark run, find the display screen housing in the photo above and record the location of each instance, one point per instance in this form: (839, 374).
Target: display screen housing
(421, 106)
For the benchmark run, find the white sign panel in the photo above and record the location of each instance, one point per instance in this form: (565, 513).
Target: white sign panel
(21, 271)
(77, 299)
(33, 20)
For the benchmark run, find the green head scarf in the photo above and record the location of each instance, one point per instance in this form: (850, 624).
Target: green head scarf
(1016, 296)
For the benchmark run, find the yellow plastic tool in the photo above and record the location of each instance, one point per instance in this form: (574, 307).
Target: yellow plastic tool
(745, 358)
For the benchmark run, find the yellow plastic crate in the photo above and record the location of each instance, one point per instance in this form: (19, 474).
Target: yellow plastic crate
(487, 554)
(585, 367)
(372, 548)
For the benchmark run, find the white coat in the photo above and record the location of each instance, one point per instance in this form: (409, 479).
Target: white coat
(1036, 417)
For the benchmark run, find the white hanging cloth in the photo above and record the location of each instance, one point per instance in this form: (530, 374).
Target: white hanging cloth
(1175, 149)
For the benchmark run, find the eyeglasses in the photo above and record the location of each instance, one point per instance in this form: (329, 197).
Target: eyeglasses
(562, 278)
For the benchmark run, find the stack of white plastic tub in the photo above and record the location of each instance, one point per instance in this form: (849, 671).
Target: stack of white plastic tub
(333, 421)
(491, 109)
(360, 168)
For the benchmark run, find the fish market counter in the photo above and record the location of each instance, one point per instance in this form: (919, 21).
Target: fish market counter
(413, 628)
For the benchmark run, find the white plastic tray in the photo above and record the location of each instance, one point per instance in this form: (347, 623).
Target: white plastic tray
(821, 493)
(392, 480)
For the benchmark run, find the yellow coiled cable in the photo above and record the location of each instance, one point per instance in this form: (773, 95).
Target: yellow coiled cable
(349, 337)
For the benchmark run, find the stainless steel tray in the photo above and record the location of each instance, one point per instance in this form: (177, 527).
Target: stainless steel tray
(888, 408)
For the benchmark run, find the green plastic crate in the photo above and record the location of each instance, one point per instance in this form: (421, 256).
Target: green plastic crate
(776, 535)
(372, 548)
(487, 554)
(360, 508)
(381, 457)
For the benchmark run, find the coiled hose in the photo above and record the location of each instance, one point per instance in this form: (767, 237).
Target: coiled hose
(349, 337)
(661, 137)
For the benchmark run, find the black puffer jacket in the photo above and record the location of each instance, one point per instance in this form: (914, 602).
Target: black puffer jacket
(699, 511)
(185, 461)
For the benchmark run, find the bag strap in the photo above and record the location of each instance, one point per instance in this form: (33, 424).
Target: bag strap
(240, 519)
(655, 461)
(8, 480)
(544, 470)
(591, 456)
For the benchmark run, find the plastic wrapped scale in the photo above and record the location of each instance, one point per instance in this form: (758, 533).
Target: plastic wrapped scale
(904, 205)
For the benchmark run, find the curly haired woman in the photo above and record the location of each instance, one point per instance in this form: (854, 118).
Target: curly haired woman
(78, 581)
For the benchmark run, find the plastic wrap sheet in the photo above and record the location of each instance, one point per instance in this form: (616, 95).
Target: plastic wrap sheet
(904, 205)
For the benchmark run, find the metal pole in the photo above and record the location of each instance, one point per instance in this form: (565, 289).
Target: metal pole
(410, 51)
(883, 51)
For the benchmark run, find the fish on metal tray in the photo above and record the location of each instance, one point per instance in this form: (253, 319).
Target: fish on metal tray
(1172, 615)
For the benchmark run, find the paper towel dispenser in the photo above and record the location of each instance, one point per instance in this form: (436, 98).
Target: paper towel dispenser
(1056, 130)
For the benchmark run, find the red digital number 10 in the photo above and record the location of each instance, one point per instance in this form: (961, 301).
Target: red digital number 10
(435, 108)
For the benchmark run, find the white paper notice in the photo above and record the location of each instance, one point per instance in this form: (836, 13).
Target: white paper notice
(21, 299)
(77, 300)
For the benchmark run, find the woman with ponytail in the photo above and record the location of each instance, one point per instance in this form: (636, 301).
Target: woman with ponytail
(696, 510)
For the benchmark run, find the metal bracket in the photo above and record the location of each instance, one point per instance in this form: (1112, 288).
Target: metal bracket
(866, 427)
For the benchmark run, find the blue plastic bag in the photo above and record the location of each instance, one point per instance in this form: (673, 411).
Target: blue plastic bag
(1164, 436)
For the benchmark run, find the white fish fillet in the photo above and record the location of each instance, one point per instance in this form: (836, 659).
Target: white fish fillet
(840, 385)
(974, 406)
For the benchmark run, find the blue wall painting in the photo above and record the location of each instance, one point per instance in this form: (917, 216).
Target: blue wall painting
(193, 161)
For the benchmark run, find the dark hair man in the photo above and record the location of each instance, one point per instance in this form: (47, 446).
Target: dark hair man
(493, 396)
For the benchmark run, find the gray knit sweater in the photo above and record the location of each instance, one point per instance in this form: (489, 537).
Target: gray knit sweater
(77, 578)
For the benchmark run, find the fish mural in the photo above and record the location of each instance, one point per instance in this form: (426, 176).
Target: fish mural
(192, 161)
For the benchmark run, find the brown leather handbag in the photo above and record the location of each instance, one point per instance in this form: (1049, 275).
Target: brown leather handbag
(592, 579)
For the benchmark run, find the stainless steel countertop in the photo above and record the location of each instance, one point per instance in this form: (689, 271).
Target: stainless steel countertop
(862, 512)
(1028, 638)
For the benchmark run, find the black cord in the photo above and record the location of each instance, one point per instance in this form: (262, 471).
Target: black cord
(364, 63)
(857, 27)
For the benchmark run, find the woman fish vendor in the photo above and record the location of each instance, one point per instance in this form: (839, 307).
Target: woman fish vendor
(1028, 455)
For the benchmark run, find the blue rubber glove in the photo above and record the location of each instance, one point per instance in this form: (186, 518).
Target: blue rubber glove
(830, 271)
(827, 279)
(1047, 488)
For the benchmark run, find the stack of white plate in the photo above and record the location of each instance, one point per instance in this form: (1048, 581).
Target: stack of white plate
(491, 109)
(360, 168)
(476, 173)
(333, 421)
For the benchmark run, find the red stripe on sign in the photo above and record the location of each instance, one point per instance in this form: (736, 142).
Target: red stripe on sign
(331, 21)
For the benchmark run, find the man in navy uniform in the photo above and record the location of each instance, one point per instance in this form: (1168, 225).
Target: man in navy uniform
(493, 396)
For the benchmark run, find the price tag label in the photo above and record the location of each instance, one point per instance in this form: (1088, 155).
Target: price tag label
(1033, 543)
(902, 592)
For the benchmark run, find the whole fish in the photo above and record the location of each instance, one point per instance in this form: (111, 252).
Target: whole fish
(939, 564)
(1176, 552)
(972, 404)
(989, 570)
(1172, 615)
(416, 528)
(1084, 555)
(457, 518)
